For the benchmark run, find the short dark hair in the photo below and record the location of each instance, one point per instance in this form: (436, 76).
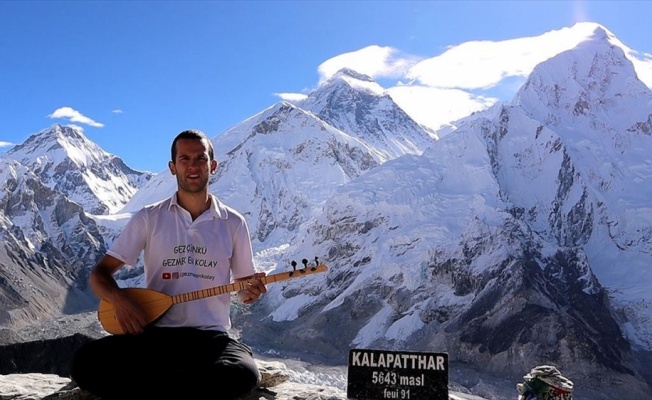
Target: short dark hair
(192, 134)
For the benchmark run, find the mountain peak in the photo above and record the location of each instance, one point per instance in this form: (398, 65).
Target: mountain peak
(61, 132)
(349, 80)
(66, 160)
(588, 27)
(347, 72)
(356, 104)
(592, 81)
(601, 33)
(54, 137)
(592, 31)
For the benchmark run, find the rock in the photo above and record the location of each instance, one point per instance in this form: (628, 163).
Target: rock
(40, 356)
(273, 373)
(274, 384)
(33, 386)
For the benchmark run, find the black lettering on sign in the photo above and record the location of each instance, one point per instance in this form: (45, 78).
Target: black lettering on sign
(383, 374)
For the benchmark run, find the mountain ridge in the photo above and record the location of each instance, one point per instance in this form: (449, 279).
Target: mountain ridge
(511, 241)
(533, 245)
(70, 163)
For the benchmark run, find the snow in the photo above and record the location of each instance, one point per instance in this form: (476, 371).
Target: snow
(617, 165)
(404, 327)
(62, 157)
(374, 328)
(290, 308)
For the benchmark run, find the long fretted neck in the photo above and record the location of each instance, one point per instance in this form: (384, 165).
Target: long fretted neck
(240, 285)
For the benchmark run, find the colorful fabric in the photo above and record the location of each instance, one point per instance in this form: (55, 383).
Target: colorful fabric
(545, 382)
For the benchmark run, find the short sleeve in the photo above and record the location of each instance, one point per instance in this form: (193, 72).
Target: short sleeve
(131, 241)
(242, 260)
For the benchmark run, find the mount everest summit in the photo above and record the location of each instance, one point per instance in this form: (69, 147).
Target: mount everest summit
(520, 238)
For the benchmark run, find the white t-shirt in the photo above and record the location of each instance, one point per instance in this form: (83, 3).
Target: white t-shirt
(182, 255)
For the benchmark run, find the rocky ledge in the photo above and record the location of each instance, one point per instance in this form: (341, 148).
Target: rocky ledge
(275, 384)
(37, 370)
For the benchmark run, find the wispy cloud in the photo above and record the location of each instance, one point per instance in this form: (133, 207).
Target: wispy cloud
(78, 127)
(291, 96)
(435, 107)
(484, 64)
(373, 61)
(5, 144)
(74, 116)
(117, 111)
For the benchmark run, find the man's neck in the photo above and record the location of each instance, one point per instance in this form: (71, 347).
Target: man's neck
(194, 203)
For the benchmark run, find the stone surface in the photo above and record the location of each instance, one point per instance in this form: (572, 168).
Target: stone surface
(40, 356)
(275, 384)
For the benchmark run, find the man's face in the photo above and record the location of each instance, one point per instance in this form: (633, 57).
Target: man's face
(192, 165)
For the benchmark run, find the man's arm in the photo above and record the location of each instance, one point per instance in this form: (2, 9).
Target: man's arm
(129, 314)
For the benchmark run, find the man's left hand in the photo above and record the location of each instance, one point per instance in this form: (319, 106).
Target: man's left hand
(254, 288)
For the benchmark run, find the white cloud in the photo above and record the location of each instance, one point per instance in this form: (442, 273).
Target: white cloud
(373, 61)
(74, 116)
(483, 64)
(291, 97)
(78, 127)
(117, 111)
(5, 144)
(435, 107)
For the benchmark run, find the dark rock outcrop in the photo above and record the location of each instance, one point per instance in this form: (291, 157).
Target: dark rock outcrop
(51, 356)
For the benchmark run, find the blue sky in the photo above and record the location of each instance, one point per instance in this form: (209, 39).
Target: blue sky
(137, 72)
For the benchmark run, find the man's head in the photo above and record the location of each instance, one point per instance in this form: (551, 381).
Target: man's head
(192, 161)
(192, 134)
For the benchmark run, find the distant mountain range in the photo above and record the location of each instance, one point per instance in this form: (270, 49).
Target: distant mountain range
(522, 236)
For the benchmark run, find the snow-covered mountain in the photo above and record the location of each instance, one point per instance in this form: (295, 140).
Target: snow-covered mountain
(47, 242)
(280, 166)
(590, 103)
(354, 103)
(66, 161)
(52, 184)
(521, 237)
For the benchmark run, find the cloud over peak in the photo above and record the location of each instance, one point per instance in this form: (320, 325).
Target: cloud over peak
(373, 61)
(74, 116)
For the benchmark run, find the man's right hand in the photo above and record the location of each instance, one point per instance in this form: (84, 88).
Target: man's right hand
(129, 314)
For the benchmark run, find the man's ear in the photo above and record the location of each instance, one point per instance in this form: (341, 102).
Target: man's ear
(213, 167)
(173, 169)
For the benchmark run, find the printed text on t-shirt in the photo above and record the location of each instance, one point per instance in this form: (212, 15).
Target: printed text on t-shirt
(189, 248)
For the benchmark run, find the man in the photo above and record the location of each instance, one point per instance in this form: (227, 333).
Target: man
(191, 241)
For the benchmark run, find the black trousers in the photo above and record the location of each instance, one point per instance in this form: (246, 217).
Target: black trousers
(166, 363)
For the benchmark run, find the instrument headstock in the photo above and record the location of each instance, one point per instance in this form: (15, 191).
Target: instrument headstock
(317, 267)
